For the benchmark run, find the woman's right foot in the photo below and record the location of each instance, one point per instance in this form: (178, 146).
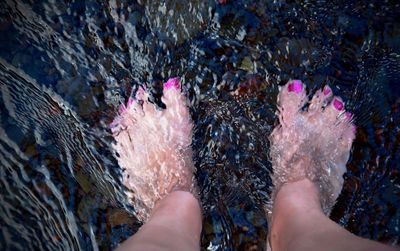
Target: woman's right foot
(154, 148)
(313, 144)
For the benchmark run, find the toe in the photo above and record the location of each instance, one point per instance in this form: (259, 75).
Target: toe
(149, 109)
(134, 105)
(334, 110)
(140, 93)
(341, 121)
(348, 137)
(129, 114)
(177, 109)
(348, 130)
(320, 99)
(171, 92)
(174, 99)
(291, 99)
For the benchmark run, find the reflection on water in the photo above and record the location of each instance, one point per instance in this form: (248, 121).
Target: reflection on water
(66, 65)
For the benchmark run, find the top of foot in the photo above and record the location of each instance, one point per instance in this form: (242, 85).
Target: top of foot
(154, 147)
(313, 144)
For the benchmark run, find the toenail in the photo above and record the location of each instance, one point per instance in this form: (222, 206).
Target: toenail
(172, 83)
(295, 86)
(338, 104)
(327, 90)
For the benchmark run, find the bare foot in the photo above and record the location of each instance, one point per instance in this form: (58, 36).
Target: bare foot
(313, 144)
(154, 148)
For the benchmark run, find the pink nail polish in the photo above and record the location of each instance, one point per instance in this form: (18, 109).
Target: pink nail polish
(295, 86)
(172, 83)
(338, 104)
(327, 90)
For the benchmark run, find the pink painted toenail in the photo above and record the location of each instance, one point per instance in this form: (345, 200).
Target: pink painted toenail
(172, 83)
(327, 90)
(295, 86)
(338, 104)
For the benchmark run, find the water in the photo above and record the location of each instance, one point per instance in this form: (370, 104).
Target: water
(65, 66)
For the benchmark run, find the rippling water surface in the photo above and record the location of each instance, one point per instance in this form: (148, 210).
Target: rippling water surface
(65, 66)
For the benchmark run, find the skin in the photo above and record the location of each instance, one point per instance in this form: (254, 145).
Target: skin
(154, 150)
(299, 224)
(164, 172)
(307, 186)
(174, 224)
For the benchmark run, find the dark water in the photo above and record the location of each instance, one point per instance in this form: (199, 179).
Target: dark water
(65, 66)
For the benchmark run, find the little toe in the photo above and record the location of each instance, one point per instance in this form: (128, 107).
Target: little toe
(348, 137)
(348, 130)
(291, 99)
(346, 119)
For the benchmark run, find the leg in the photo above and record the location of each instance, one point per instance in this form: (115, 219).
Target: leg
(309, 151)
(154, 150)
(300, 224)
(174, 224)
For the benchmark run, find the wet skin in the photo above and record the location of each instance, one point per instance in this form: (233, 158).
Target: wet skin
(309, 151)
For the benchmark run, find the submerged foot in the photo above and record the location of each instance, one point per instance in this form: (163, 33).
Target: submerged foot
(313, 144)
(153, 148)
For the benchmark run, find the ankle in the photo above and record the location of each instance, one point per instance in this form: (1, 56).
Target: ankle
(302, 194)
(182, 202)
(294, 202)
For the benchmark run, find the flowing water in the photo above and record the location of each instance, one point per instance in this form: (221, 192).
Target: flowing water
(65, 66)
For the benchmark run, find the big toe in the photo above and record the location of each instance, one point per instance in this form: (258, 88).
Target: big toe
(291, 99)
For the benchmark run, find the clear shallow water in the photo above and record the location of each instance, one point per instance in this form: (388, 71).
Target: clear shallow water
(66, 65)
